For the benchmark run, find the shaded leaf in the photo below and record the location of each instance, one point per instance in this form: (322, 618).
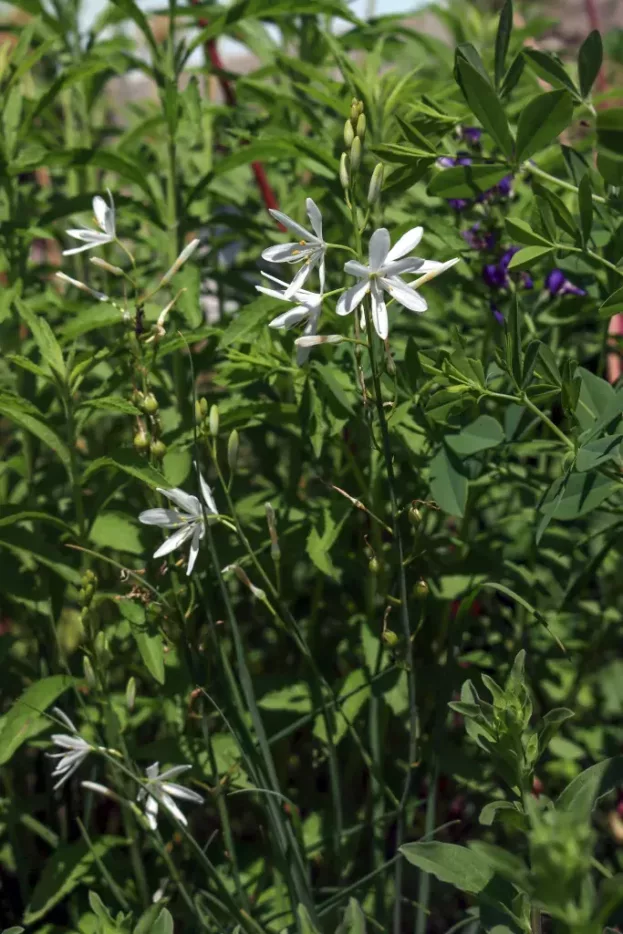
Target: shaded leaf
(541, 122)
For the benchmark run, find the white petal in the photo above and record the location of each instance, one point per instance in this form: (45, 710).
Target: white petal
(280, 282)
(87, 235)
(404, 294)
(409, 264)
(379, 312)
(286, 253)
(302, 352)
(173, 771)
(436, 271)
(299, 279)
(292, 225)
(194, 550)
(166, 518)
(101, 210)
(69, 742)
(407, 242)
(172, 807)
(152, 770)
(67, 774)
(68, 761)
(63, 716)
(183, 794)
(290, 318)
(353, 268)
(272, 293)
(378, 248)
(185, 501)
(151, 812)
(178, 538)
(352, 297)
(315, 217)
(321, 275)
(207, 494)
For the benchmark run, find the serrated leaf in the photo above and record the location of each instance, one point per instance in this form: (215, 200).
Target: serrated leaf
(25, 719)
(463, 868)
(249, 320)
(542, 121)
(114, 404)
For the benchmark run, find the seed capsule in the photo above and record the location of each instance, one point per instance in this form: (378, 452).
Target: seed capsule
(415, 516)
(373, 566)
(389, 637)
(150, 404)
(421, 589)
(141, 442)
(158, 449)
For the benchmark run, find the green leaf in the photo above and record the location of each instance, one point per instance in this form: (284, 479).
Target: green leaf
(485, 104)
(49, 347)
(320, 542)
(610, 129)
(466, 181)
(590, 58)
(481, 435)
(514, 353)
(502, 39)
(114, 530)
(595, 453)
(115, 404)
(69, 866)
(585, 204)
(249, 321)
(101, 159)
(613, 305)
(17, 412)
(521, 232)
(131, 463)
(562, 215)
(448, 485)
(163, 923)
(97, 316)
(551, 724)
(576, 495)
(294, 698)
(305, 922)
(548, 366)
(13, 930)
(350, 701)
(132, 11)
(541, 122)
(490, 812)
(463, 868)
(25, 718)
(547, 65)
(148, 640)
(354, 920)
(526, 258)
(584, 792)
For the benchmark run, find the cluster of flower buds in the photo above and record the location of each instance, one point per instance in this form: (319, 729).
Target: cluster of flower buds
(87, 590)
(354, 135)
(148, 441)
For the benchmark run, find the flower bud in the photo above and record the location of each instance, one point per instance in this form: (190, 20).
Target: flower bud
(349, 134)
(355, 154)
(389, 637)
(361, 126)
(232, 449)
(354, 110)
(198, 412)
(115, 270)
(141, 442)
(344, 172)
(421, 589)
(376, 184)
(102, 649)
(137, 398)
(130, 694)
(415, 516)
(89, 674)
(150, 404)
(158, 449)
(214, 421)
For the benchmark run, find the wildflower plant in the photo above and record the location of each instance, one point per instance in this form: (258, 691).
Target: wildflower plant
(322, 583)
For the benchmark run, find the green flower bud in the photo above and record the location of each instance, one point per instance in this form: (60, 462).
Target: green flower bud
(89, 674)
(102, 649)
(198, 412)
(373, 566)
(415, 516)
(130, 694)
(232, 449)
(421, 589)
(361, 126)
(389, 637)
(150, 404)
(376, 183)
(141, 442)
(158, 449)
(344, 172)
(354, 111)
(82, 596)
(349, 134)
(214, 421)
(355, 154)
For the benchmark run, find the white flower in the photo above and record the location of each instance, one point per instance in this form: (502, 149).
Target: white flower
(308, 310)
(187, 519)
(158, 791)
(74, 750)
(310, 248)
(383, 275)
(105, 217)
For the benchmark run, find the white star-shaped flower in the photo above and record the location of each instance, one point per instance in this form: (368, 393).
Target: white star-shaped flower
(307, 310)
(386, 263)
(74, 750)
(157, 791)
(187, 519)
(309, 249)
(105, 218)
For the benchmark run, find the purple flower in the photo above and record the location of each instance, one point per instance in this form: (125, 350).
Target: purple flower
(497, 314)
(556, 283)
(449, 162)
(504, 187)
(527, 281)
(445, 162)
(477, 240)
(458, 204)
(471, 134)
(494, 274)
(507, 256)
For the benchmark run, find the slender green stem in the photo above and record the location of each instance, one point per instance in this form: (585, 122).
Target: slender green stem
(596, 257)
(531, 168)
(523, 399)
(423, 895)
